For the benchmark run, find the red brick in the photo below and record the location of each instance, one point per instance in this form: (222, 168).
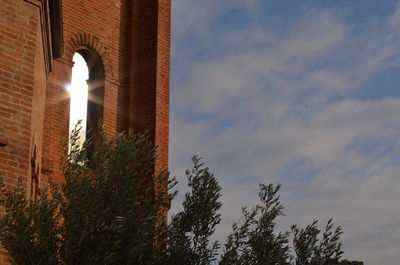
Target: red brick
(132, 41)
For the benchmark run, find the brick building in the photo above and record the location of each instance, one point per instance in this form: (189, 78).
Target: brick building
(126, 45)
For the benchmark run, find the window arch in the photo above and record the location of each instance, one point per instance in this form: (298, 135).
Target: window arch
(86, 92)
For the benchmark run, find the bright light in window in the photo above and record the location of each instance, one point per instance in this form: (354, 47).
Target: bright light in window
(78, 91)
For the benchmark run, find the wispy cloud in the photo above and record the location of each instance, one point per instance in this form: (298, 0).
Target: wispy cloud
(262, 104)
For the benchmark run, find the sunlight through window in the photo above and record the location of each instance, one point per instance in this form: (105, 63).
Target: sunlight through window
(78, 91)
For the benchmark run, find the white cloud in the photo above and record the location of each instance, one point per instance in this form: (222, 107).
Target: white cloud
(278, 107)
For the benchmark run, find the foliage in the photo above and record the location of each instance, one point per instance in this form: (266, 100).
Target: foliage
(29, 229)
(311, 251)
(188, 236)
(347, 262)
(111, 210)
(108, 211)
(255, 240)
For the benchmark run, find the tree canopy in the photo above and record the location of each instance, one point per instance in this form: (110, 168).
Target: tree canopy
(111, 210)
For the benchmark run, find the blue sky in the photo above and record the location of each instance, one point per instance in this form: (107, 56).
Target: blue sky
(305, 93)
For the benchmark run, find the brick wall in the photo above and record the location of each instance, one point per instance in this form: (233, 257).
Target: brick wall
(149, 76)
(129, 38)
(19, 71)
(132, 39)
(22, 87)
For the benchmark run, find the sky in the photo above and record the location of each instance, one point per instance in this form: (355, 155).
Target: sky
(302, 93)
(78, 90)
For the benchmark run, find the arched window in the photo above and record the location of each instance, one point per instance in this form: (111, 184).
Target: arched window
(87, 92)
(78, 90)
